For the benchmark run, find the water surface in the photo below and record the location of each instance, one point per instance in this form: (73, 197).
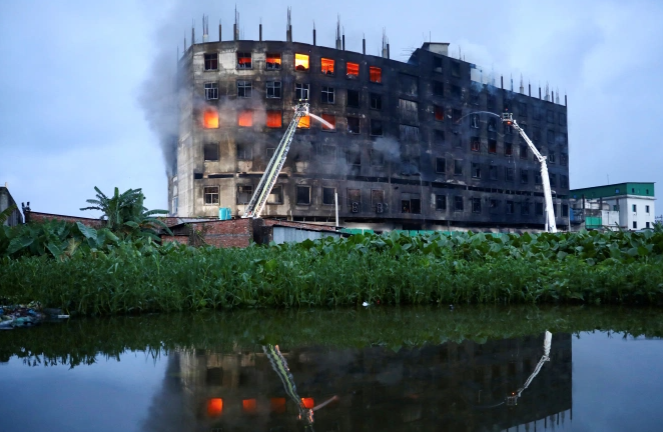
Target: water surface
(375, 369)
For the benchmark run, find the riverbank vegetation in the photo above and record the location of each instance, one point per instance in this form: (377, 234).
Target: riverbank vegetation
(106, 273)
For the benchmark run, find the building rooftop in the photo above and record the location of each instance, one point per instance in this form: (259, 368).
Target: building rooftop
(616, 189)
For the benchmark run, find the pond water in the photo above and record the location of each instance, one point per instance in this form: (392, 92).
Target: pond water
(375, 369)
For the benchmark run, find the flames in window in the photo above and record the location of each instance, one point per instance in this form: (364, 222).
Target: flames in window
(375, 74)
(352, 70)
(273, 61)
(277, 405)
(301, 62)
(245, 118)
(214, 407)
(327, 66)
(308, 403)
(304, 122)
(331, 119)
(439, 113)
(210, 118)
(274, 119)
(249, 406)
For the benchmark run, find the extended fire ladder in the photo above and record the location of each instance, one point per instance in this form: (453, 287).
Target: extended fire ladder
(551, 225)
(271, 175)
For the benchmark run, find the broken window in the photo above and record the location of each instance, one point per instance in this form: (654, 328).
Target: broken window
(328, 196)
(409, 84)
(551, 156)
(538, 209)
(301, 62)
(274, 119)
(492, 146)
(273, 90)
(275, 195)
(523, 151)
(407, 105)
(475, 144)
(456, 114)
(439, 112)
(210, 118)
(510, 207)
(476, 205)
(211, 152)
(474, 121)
(376, 127)
(211, 195)
(456, 91)
(508, 149)
(354, 200)
(273, 61)
(553, 179)
(244, 152)
(564, 159)
(440, 202)
(524, 209)
(375, 74)
(353, 99)
(441, 165)
(508, 174)
(353, 125)
(244, 194)
(551, 137)
(458, 203)
(409, 133)
(244, 60)
(352, 70)
(328, 95)
(331, 119)
(211, 91)
(245, 118)
(376, 101)
(492, 172)
(564, 182)
(437, 64)
(304, 122)
(244, 89)
(303, 195)
(211, 61)
(327, 66)
(438, 88)
(524, 176)
(458, 167)
(455, 69)
(476, 170)
(410, 203)
(302, 91)
(439, 135)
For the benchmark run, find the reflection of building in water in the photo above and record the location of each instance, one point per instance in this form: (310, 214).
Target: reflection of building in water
(451, 386)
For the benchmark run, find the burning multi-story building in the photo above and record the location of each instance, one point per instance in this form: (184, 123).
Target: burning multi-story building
(411, 148)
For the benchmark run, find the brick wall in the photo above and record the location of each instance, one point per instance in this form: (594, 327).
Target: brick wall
(302, 225)
(218, 233)
(182, 239)
(36, 217)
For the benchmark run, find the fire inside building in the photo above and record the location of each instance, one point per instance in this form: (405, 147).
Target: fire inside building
(409, 148)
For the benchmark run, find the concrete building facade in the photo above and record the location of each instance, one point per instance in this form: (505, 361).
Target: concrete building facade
(629, 206)
(406, 152)
(6, 201)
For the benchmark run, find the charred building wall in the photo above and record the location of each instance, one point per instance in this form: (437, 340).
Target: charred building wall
(406, 152)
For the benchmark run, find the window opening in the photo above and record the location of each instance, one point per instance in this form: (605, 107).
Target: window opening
(455, 69)
(492, 146)
(377, 200)
(301, 62)
(524, 176)
(523, 151)
(273, 89)
(458, 204)
(441, 165)
(474, 121)
(440, 202)
(492, 172)
(475, 144)
(211, 152)
(330, 119)
(375, 74)
(211, 91)
(211, 61)
(353, 125)
(439, 112)
(508, 149)
(408, 105)
(244, 193)
(304, 122)
(303, 195)
(328, 95)
(243, 60)
(458, 167)
(327, 66)
(276, 195)
(410, 203)
(438, 88)
(245, 118)
(352, 70)
(244, 89)
(328, 195)
(376, 101)
(211, 195)
(508, 174)
(376, 127)
(302, 91)
(510, 207)
(210, 118)
(244, 152)
(354, 200)
(274, 119)
(437, 64)
(476, 205)
(524, 209)
(476, 170)
(273, 61)
(538, 209)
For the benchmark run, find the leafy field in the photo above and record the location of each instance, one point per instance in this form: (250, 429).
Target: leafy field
(135, 274)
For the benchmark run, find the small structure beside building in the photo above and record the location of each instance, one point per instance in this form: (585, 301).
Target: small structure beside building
(628, 206)
(7, 201)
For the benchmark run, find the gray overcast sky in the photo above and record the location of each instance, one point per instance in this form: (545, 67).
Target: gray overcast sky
(73, 71)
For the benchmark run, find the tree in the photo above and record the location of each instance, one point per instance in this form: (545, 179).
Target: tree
(125, 214)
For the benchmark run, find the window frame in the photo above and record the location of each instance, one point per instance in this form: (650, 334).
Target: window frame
(211, 195)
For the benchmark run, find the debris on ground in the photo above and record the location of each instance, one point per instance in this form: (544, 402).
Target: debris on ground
(29, 315)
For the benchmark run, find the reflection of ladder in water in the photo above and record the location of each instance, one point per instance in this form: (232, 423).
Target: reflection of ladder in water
(271, 175)
(512, 399)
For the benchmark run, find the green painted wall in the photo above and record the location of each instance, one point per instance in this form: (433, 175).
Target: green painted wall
(641, 189)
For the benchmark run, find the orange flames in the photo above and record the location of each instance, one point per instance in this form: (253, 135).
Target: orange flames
(278, 405)
(245, 118)
(249, 406)
(439, 113)
(210, 118)
(301, 62)
(375, 74)
(329, 118)
(352, 69)
(308, 403)
(214, 407)
(304, 122)
(327, 66)
(274, 119)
